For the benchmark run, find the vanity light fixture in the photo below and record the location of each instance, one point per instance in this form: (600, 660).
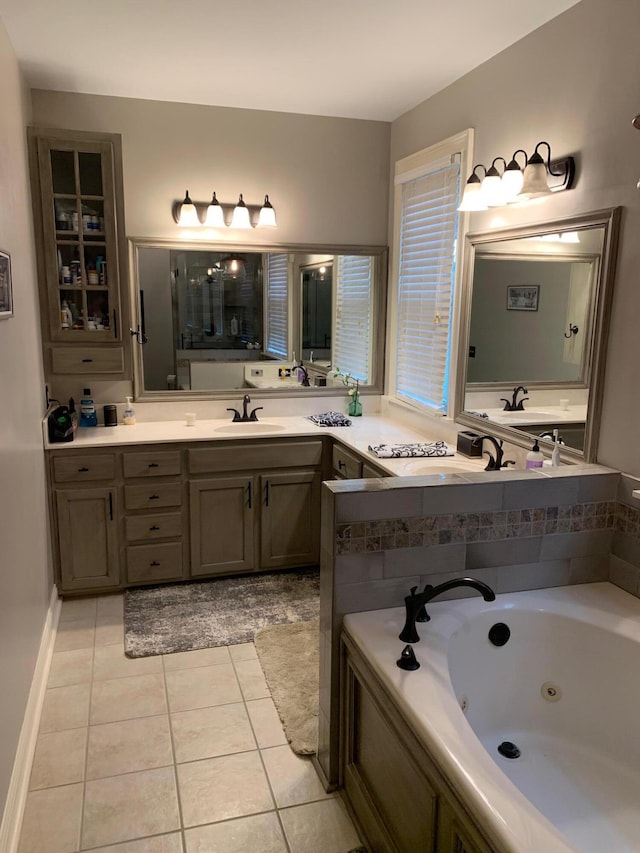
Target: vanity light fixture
(187, 213)
(538, 178)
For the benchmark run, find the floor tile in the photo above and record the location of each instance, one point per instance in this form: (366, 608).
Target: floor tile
(242, 651)
(207, 732)
(110, 662)
(59, 759)
(126, 698)
(73, 609)
(221, 788)
(109, 630)
(198, 657)
(319, 828)
(158, 844)
(293, 777)
(65, 708)
(266, 723)
(52, 820)
(202, 686)
(74, 635)
(251, 678)
(259, 832)
(73, 667)
(110, 605)
(128, 746)
(122, 808)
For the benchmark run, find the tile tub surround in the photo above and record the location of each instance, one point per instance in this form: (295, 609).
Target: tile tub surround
(515, 530)
(625, 550)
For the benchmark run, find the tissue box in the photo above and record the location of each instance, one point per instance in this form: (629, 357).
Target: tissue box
(465, 444)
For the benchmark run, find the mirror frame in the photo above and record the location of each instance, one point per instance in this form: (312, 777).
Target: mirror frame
(601, 300)
(378, 329)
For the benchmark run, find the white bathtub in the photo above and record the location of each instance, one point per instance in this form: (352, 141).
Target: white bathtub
(565, 689)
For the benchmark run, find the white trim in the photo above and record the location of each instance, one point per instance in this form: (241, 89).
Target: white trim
(19, 782)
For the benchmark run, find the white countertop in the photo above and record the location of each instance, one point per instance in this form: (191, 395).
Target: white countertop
(372, 429)
(538, 415)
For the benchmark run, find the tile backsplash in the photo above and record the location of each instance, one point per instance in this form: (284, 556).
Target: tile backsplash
(625, 549)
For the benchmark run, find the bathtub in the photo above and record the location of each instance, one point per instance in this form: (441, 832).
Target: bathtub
(564, 688)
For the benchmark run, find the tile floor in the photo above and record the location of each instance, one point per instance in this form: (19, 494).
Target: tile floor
(182, 753)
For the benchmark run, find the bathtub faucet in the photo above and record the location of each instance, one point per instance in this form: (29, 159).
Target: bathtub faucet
(415, 603)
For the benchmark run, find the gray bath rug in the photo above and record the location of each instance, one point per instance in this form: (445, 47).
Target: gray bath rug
(160, 620)
(289, 658)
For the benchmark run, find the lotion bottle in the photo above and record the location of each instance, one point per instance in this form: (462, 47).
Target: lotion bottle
(534, 457)
(129, 414)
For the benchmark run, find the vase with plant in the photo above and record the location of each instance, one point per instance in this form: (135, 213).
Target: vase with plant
(354, 408)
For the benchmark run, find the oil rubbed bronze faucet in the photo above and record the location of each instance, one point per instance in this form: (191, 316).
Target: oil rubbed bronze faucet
(245, 416)
(415, 603)
(515, 405)
(497, 462)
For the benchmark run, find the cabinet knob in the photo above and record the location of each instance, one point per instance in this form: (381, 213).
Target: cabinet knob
(154, 527)
(82, 470)
(154, 497)
(87, 360)
(153, 465)
(154, 563)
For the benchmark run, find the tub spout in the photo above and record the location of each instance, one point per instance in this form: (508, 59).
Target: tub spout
(415, 603)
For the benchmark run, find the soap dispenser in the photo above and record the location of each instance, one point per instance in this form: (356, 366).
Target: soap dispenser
(129, 414)
(534, 458)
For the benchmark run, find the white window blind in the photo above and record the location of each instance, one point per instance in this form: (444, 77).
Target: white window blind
(351, 343)
(276, 302)
(426, 275)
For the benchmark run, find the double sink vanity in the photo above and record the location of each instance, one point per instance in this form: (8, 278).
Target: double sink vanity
(161, 501)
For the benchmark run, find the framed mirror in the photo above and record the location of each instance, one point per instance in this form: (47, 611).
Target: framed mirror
(210, 319)
(535, 315)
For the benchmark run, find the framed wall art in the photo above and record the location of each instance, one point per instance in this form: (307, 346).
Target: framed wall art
(6, 293)
(523, 297)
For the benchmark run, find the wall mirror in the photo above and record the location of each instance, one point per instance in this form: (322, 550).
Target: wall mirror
(210, 318)
(535, 315)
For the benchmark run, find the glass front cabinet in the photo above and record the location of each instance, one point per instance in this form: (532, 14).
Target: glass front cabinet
(77, 189)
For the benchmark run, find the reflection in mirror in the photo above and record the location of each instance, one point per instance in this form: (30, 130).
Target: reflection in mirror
(537, 304)
(214, 318)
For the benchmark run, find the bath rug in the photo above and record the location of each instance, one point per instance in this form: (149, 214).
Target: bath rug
(159, 620)
(289, 658)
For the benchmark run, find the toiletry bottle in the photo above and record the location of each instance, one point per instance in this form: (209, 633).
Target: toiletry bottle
(88, 417)
(129, 414)
(534, 457)
(66, 319)
(234, 325)
(555, 455)
(73, 414)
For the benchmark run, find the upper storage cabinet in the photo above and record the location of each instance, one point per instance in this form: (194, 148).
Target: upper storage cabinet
(77, 191)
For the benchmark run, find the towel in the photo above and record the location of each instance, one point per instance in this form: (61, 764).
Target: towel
(330, 419)
(389, 451)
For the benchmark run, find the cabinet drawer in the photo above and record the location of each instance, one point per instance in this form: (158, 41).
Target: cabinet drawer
(251, 455)
(153, 495)
(149, 527)
(78, 469)
(87, 360)
(154, 562)
(151, 464)
(346, 464)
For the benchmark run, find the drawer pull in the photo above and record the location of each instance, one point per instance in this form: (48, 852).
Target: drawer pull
(154, 497)
(82, 470)
(341, 464)
(153, 465)
(154, 527)
(87, 360)
(154, 563)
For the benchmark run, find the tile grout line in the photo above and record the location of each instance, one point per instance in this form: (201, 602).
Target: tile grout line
(86, 748)
(264, 766)
(183, 840)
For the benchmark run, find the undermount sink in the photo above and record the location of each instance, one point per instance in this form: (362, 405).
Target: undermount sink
(249, 428)
(527, 415)
(413, 470)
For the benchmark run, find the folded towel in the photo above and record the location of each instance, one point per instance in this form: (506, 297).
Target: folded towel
(388, 451)
(479, 414)
(330, 419)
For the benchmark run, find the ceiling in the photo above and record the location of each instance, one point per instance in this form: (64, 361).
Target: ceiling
(368, 59)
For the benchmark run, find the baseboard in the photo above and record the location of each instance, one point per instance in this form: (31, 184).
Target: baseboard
(19, 782)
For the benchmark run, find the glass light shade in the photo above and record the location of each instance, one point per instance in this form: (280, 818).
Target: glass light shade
(535, 180)
(267, 217)
(473, 198)
(240, 218)
(570, 237)
(215, 214)
(188, 217)
(512, 180)
(493, 191)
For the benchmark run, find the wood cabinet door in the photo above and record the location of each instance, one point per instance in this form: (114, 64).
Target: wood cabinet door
(87, 538)
(222, 513)
(456, 834)
(289, 518)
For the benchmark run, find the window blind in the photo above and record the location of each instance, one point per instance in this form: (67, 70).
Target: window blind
(351, 344)
(426, 275)
(276, 320)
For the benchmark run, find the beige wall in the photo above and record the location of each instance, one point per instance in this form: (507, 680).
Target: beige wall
(326, 177)
(574, 83)
(24, 575)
